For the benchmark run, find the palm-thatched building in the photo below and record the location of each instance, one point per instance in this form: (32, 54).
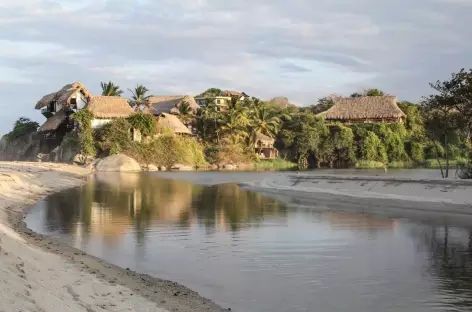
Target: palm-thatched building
(69, 98)
(264, 146)
(107, 108)
(170, 104)
(172, 123)
(365, 109)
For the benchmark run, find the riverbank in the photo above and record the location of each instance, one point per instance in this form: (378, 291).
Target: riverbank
(421, 190)
(40, 274)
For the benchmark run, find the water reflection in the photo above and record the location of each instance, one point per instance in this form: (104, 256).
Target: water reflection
(111, 204)
(450, 263)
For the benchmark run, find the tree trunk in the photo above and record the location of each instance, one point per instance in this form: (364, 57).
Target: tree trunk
(447, 155)
(437, 158)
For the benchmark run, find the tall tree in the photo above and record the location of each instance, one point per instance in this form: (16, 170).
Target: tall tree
(368, 92)
(185, 113)
(442, 117)
(374, 92)
(323, 105)
(265, 121)
(212, 92)
(110, 89)
(140, 99)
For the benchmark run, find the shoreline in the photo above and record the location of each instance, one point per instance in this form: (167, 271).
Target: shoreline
(43, 274)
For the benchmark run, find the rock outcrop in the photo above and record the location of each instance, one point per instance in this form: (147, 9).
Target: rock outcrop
(117, 163)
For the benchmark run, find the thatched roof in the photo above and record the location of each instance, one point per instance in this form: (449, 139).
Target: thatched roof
(232, 93)
(173, 123)
(264, 138)
(53, 122)
(63, 96)
(168, 103)
(365, 107)
(109, 107)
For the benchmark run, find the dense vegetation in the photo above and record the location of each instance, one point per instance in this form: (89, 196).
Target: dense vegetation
(159, 148)
(436, 132)
(22, 126)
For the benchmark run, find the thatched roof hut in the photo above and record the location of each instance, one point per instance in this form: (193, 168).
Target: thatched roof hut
(109, 107)
(63, 96)
(53, 122)
(173, 123)
(171, 103)
(260, 137)
(233, 93)
(364, 109)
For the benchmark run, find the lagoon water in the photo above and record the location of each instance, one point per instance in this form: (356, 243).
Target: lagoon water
(253, 253)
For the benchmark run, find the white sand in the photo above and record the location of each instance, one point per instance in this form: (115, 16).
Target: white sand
(438, 191)
(35, 278)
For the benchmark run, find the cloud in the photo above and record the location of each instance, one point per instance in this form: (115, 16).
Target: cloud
(302, 49)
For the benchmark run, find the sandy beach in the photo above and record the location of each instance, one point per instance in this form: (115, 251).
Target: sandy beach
(39, 274)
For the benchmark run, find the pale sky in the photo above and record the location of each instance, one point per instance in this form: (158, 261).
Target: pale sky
(302, 49)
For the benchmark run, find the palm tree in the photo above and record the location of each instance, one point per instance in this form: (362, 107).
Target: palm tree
(265, 121)
(139, 99)
(185, 113)
(232, 127)
(111, 89)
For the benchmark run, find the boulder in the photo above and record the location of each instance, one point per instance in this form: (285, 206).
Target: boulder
(118, 163)
(152, 167)
(229, 167)
(181, 167)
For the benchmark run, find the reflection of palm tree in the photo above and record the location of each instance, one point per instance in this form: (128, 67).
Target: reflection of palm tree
(451, 261)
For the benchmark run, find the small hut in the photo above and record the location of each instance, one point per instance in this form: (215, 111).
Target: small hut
(264, 146)
(170, 104)
(173, 123)
(70, 97)
(106, 108)
(365, 109)
(53, 122)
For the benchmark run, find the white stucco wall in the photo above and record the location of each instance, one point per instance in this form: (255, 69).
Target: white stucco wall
(98, 123)
(81, 101)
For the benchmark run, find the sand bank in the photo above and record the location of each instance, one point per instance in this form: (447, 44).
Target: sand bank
(443, 201)
(39, 274)
(425, 190)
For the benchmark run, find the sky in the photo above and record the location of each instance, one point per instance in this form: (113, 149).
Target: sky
(301, 49)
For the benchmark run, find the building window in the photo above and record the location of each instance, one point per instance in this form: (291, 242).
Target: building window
(218, 101)
(73, 103)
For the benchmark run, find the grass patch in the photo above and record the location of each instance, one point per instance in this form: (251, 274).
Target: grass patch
(401, 164)
(453, 163)
(277, 163)
(369, 164)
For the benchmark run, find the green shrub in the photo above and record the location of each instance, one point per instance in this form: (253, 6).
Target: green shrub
(145, 123)
(369, 164)
(417, 152)
(168, 150)
(401, 164)
(83, 118)
(22, 127)
(114, 137)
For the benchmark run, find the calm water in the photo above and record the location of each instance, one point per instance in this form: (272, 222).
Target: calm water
(252, 253)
